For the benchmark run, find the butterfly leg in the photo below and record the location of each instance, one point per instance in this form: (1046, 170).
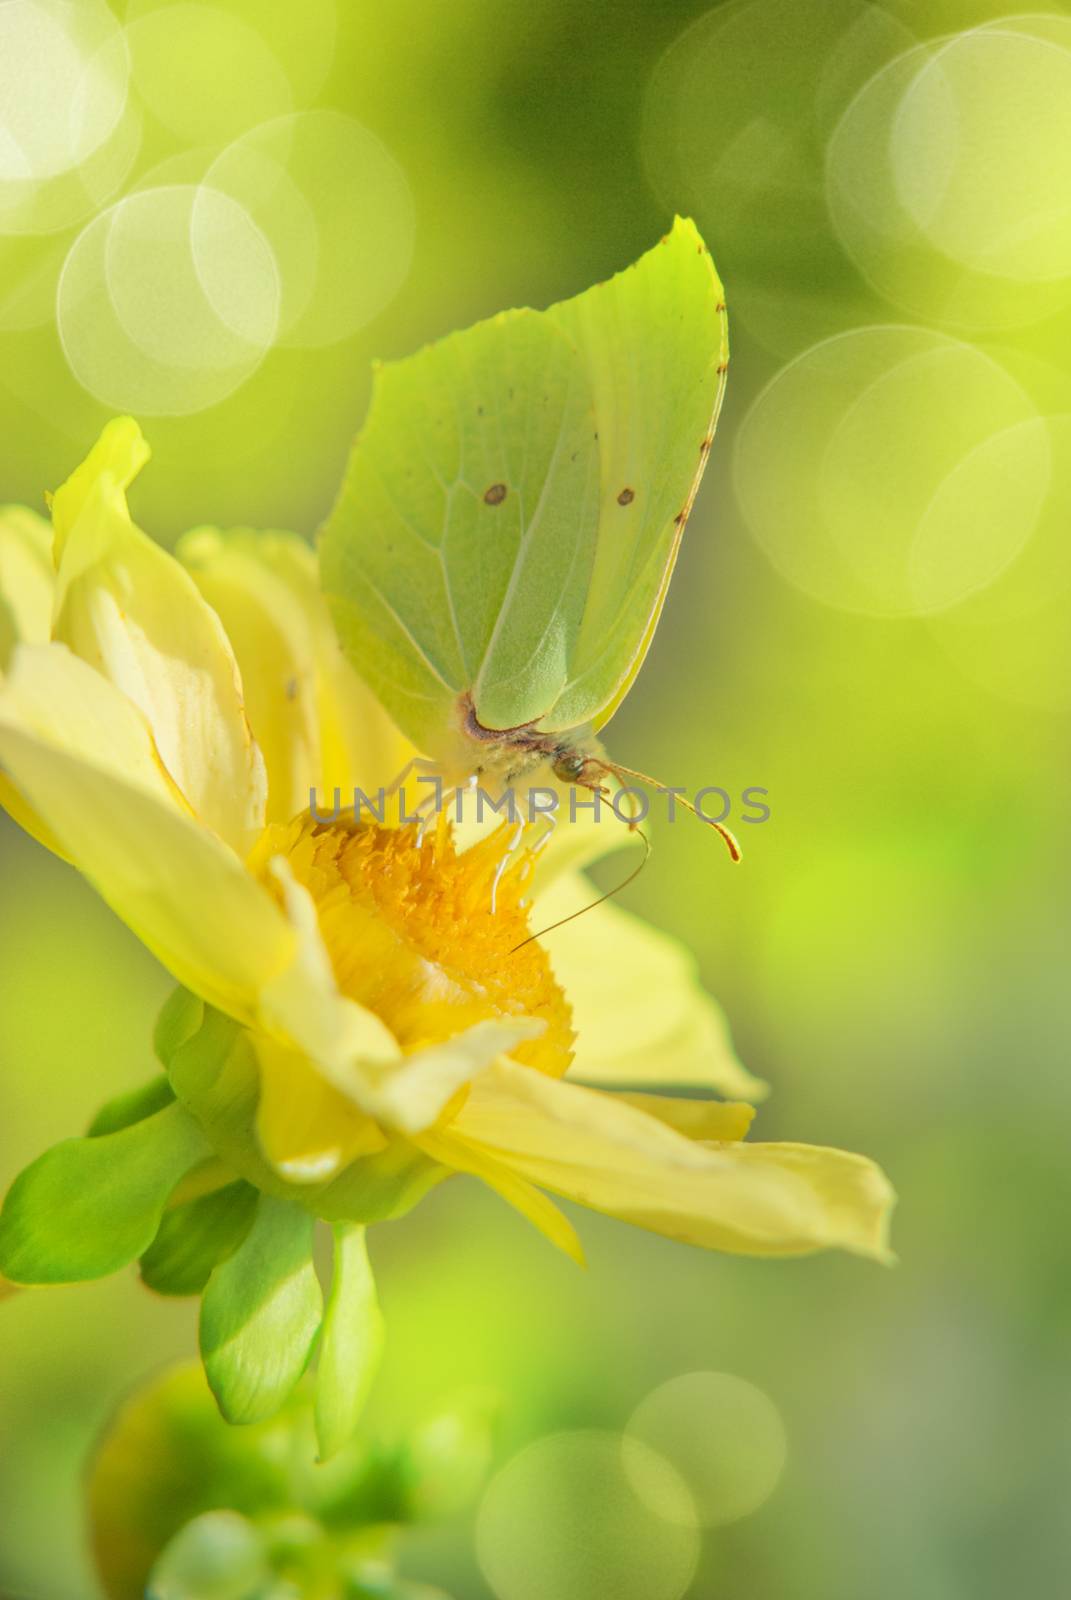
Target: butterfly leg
(416, 764)
(507, 857)
(435, 804)
(396, 788)
(544, 831)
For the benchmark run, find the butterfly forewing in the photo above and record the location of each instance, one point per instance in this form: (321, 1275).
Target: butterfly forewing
(512, 507)
(654, 342)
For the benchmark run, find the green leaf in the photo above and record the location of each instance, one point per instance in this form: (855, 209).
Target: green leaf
(214, 1073)
(134, 1106)
(514, 503)
(195, 1237)
(260, 1314)
(217, 1556)
(351, 1344)
(180, 1017)
(89, 1206)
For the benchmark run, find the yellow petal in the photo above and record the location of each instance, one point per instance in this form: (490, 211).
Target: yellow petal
(27, 580)
(83, 759)
(359, 745)
(49, 692)
(303, 1006)
(855, 1193)
(353, 1050)
(17, 808)
(720, 1120)
(319, 726)
(269, 629)
(307, 1129)
(131, 611)
(26, 573)
(640, 1014)
(119, 455)
(515, 1190)
(606, 1154)
(413, 1094)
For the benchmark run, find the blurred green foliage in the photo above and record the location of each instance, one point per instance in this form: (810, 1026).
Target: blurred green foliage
(176, 1497)
(891, 952)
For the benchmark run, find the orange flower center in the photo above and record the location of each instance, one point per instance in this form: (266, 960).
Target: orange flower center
(426, 936)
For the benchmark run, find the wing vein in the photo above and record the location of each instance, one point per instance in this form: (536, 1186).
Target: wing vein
(526, 538)
(417, 646)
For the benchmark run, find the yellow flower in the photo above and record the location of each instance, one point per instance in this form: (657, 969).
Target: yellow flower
(162, 721)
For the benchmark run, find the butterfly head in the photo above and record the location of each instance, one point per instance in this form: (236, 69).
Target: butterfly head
(570, 765)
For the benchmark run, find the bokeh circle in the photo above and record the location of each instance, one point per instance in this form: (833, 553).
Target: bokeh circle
(1011, 638)
(64, 77)
(723, 1435)
(168, 301)
(205, 73)
(563, 1521)
(919, 146)
(840, 457)
(734, 130)
(69, 128)
(981, 153)
(337, 210)
(299, 39)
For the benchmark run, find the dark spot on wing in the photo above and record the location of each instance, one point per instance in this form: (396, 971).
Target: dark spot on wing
(723, 368)
(706, 444)
(495, 495)
(682, 516)
(720, 307)
(291, 688)
(626, 497)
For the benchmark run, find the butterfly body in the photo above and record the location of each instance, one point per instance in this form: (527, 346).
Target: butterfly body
(517, 753)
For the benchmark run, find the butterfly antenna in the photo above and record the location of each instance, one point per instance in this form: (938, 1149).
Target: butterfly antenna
(609, 895)
(731, 843)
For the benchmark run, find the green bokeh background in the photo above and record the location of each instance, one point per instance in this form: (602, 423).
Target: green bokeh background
(892, 954)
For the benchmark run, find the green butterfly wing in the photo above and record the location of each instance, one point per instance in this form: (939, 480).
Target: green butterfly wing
(513, 505)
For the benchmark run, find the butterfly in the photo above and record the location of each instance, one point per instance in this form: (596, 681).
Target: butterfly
(499, 553)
